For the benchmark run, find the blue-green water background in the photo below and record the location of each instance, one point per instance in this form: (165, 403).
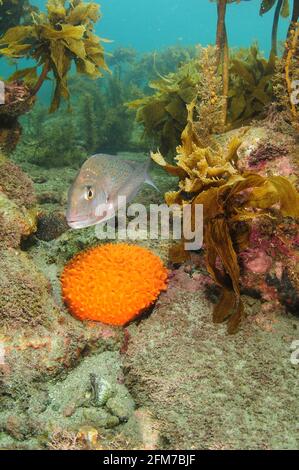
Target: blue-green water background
(149, 25)
(154, 24)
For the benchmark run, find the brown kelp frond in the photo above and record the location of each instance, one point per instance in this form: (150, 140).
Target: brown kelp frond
(163, 115)
(210, 176)
(14, 12)
(282, 8)
(54, 40)
(276, 190)
(199, 167)
(251, 86)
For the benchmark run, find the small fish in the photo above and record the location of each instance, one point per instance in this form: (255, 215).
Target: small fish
(93, 197)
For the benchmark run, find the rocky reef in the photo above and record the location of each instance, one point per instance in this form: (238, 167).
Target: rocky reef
(208, 391)
(173, 378)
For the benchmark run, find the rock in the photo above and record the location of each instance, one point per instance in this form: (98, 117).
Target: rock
(121, 406)
(57, 402)
(269, 266)
(270, 263)
(149, 429)
(17, 205)
(40, 179)
(100, 418)
(69, 411)
(49, 197)
(16, 185)
(25, 298)
(209, 390)
(268, 152)
(18, 101)
(15, 224)
(51, 226)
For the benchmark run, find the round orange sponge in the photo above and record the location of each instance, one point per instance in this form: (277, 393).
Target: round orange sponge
(112, 283)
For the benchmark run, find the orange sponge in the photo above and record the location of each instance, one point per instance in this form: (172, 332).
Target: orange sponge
(112, 283)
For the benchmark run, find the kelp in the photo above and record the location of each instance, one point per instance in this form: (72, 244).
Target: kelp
(99, 122)
(210, 176)
(251, 86)
(163, 115)
(150, 66)
(55, 40)
(291, 71)
(14, 12)
(282, 8)
(287, 78)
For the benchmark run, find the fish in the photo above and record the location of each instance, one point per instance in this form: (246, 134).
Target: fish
(93, 196)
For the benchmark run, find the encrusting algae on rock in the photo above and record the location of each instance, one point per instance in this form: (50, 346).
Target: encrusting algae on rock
(113, 283)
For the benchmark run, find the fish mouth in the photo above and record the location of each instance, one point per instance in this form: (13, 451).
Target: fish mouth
(77, 223)
(83, 222)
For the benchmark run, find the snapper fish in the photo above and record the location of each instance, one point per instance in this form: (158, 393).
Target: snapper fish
(93, 196)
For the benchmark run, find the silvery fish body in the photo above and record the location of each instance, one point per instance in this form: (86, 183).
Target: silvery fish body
(93, 197)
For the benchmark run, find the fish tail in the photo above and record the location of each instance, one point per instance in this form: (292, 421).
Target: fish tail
(147, 178)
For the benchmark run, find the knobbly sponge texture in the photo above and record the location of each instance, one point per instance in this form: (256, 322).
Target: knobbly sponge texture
(112, 283)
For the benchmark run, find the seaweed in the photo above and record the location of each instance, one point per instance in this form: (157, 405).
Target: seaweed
(163, 115)
(251, 85)
(282, 7)
(222, 49)
(150, 66)
(55, 40)
(286, 79)
(99, 122)
(291, 70)
(210, 176)
(294, 19)
(14, 12)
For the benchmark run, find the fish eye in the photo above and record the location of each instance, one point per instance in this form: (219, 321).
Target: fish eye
(89, 193)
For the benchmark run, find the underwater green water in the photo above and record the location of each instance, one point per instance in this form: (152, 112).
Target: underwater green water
(148, 25)
(153, 24)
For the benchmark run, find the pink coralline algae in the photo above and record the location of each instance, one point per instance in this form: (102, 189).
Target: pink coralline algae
(269, 265)
(186, 279)
(268, 153)
(258, 262)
